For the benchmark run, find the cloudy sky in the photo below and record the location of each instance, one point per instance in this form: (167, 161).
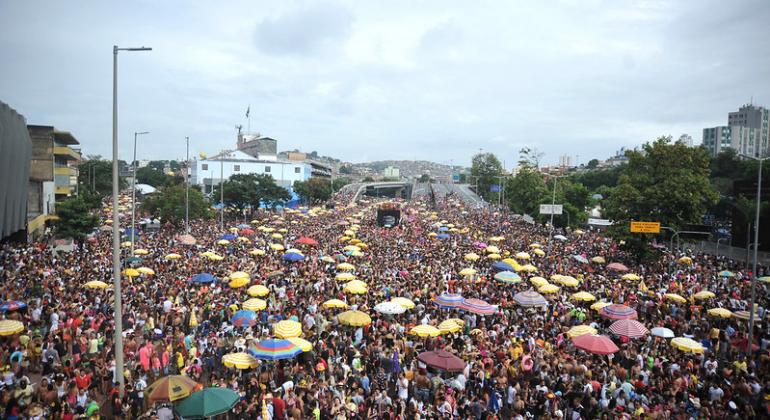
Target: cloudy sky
(366, 80)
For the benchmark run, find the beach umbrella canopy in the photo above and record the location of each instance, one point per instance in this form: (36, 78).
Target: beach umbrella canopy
(274, 349)
(130, 272)
(356, 287)
(582, 297)
(173, 256)
(354, 318)
(334, 303)
(529, 298)
(539, 252)
(293, 257)
(208, 402)
(568, 281)
(704, 295)
(617, 267)
(146, 271)
(449, 326)
(443, 236)
(618, 311)
(229, 236)
(764, 279)
(507, 277)
(303, 344)
(674, 298)
(239, 282)
(258, 290)
(246, 232)
(203, 278)
(599, 305)
(491, 249)
(579, 330)
(244, 318)
(254, 304)
(744, 315)
(629, 328)
(187, 240)
(685, 260)
(304, 240)
(239, 275)
(425, 331)
(12, 305)
(596, 344)
(257, 252)
(171, 388)
(223, 242)
(630, 277)
(598, 260)
(141, 251)
(535, 245)
(93, 284)
(687, 345)
(528, 268)
(580, 259)
(522, 256)
(345, 267)
(10, 327)
(345, 277)
(494, 256)
(240, 361)
(726, 273)
(538, 281)
(548, 289)
(471, 256)
(389, 308)
(502, 266)
(477, 306)
(720, 312)
(442, 360)
(662, 332)
(467, 271)
(560, 237)
(287, 328)
(448, 300)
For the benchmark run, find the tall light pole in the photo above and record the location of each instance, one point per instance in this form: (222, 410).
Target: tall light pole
(553, 199)
(133, 192)
(187, 189)
(116, 223)
(756, 245)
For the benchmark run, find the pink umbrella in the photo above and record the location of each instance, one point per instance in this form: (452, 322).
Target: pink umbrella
(477, 306)
(617, 267)
(187, 239)
(442, 360)
(629, 328)
(618, 311)
(480, 245)
(307, 241)
(596, 344)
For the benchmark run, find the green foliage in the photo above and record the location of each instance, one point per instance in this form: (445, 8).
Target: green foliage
(169, 204)
(463, 178)
(526, 191)
(529, 158)
(341, 182)
(347, 170)
(97, 175)
(592, 164)
(91, 198)
(368, 179)
(150, 176)
(486, 169)
(313, 191)
(75, 219)
(251, 190)
(597, 178)
(424, 178)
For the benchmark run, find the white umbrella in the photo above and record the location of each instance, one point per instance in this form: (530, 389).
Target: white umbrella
(662, 332)
(389, 308)
(560, 237)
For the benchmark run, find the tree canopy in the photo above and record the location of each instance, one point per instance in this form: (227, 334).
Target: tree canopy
(75, 219)
(150, 176)
(314, 190)
(169, 204)
(251, 190)
(96, 174)
(486, 170)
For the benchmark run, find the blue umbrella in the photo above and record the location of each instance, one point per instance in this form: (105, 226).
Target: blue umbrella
(502, 266)
(581, 259)
(127, 232)
(442, 236)
(448, 300)
(443, 229)
(293, 257)
(228, 236)
(12, 305)
(244, 318)
(203, 278)
(275, 349)
(243, 226)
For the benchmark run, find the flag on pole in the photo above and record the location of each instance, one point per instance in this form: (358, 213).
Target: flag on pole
(247, 111)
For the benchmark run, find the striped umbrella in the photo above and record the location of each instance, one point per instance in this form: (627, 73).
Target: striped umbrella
(287, 328)
(406, 303)
(258, 290)
(448, 300)
(477, 306)
(12, 305)
(618, 311)
(244, 318)
(449, 326)
(303, 344)
(529, 298)
(275, 349)
(425, 331)
(579, 330)
(10, 327)
(171, 388)
(334, 303)
(596, 344)
(507, 277)
(629, 328)
(354, 318)
(254, 304)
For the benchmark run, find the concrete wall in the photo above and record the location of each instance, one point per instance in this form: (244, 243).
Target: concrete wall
(41, 168)
(15, 152)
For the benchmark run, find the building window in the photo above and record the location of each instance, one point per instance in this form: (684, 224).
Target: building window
(297, 169)
(267, 169)
(205, 167)
(236, 168)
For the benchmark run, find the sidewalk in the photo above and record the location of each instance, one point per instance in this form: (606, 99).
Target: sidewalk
(733, 252)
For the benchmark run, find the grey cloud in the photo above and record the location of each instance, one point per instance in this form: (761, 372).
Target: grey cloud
(304, 31)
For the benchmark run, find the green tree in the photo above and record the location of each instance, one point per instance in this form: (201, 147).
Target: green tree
(664, 182)
(341, 182)
(592, 164)
(150, 176)
(313, 191)
(169, 204)
(530, 158)
(486, 170)
(346, 170)
(368, 179)
(251, 190)
(463, 178)
(424, 178)
(97, 175)
(526, 191)
(574, 198)
(75, 219)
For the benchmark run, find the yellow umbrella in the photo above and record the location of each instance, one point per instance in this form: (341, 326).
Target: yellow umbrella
(685, 261)
(233, 230)
(257, 252)
(173, 256)
(496, 239)
(258, 290)
(294, 251)
(528, 268)
(548, 289)
(141, 251)
(492, 250)
(630, 276)
(215, 257)
(349, 232)
(704, 295)
(535, 245)
(276, 236)
(522, 256)
(579, 231)
(598, 260)
(449, 326)
(583, 297)
(354, 318)
(675, 298)
(239, 275)
(720, 312)
(239, 282)
(146, 271)
(334, 303)
(96, 284)
(599, 305)
(130, 272)
(223, 242)
(467, 272)
(327, 259)
(471, 256)
(254, 304)
(356, 287)
(687, 345)
(432, 234)
(406, 303)
(346, 267)
(345, 277)
(125, 244)
(243, 239)
(276, 247)
(539, 252)
(240, 361)
(287, 328)
(425, 331)
(303, 344)
(579, 330)
(538, 281)
(494, 256)
(568, 281)
(10, 327)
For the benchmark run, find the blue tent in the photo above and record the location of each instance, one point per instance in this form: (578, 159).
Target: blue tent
(203, 278)
(293, 257)
(502, 266)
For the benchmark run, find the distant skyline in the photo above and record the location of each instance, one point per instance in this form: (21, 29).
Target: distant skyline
(400, 80)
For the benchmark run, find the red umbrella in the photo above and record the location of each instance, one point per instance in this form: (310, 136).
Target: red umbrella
(442, 360)
(246, 232)
(629, 328)
(596, 344)
(618, 311)
(742, 343)
(307, 241)
(617, 267)
(477, 306)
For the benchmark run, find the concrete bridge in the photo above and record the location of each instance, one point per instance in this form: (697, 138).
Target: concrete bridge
(402, 190)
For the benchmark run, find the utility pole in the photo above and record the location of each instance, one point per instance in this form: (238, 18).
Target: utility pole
(222, 191)
(187, 189)
(133, 193)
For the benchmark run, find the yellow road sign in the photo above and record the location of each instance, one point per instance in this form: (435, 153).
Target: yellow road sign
(645, 227)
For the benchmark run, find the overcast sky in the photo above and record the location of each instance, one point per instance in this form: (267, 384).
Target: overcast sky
(366, 80)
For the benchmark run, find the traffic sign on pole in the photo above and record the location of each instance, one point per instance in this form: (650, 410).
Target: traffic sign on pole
(556, 209)
(645, 227)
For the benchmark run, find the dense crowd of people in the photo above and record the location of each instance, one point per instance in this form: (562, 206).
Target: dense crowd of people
(518, 361)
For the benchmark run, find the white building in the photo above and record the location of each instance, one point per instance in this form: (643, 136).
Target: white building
(209, 171)
(391, 172)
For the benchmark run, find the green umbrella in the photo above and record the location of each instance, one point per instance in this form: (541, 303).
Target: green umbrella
(208, 402)
(131, 260)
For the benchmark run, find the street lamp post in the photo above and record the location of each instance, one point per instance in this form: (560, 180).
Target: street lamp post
(133, 192)
(553, 199)
(118, 316)
(187, 189)
(756, 242)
